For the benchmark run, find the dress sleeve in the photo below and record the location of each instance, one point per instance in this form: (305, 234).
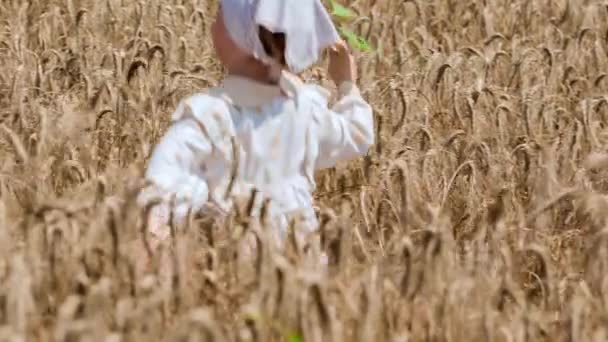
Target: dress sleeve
(346, 130)
(172, 166)
(177, 165)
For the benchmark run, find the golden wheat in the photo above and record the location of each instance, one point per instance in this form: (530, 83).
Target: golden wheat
(480, 214)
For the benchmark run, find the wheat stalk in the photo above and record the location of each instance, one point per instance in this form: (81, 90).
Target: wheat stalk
(478, 216)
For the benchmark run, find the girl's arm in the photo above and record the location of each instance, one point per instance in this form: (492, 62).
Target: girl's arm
(347, 130)
(176, 166)
(173, 178)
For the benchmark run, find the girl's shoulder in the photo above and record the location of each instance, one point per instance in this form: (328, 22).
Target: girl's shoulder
(211, 109)
(318, 92)
(306, 91)
(202, 104)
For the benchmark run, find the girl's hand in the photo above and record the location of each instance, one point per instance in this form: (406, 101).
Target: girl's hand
(342, 65)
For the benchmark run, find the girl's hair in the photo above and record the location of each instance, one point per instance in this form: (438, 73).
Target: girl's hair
(273, 43)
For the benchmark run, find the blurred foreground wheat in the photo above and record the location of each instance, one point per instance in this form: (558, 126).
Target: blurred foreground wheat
(480, 214)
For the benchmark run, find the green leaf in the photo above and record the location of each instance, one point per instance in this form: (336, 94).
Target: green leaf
(355, 41)
(341, 11)
(295, 337)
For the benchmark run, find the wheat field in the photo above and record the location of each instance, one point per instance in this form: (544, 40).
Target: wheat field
(478, 215)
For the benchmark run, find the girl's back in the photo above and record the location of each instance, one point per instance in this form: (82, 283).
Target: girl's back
(246, 135)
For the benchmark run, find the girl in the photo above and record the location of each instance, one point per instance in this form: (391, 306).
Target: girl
(262, 128)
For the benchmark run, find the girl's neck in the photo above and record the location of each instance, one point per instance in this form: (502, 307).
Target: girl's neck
(256, 71)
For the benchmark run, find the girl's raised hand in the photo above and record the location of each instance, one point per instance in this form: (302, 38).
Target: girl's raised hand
(342, 65)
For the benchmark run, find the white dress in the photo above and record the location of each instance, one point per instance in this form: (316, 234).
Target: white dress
(279, 134)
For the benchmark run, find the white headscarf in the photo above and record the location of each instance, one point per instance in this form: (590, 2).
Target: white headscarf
(306, 24)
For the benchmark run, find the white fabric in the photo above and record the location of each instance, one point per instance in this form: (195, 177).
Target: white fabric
(281, 141)
(306, 24)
